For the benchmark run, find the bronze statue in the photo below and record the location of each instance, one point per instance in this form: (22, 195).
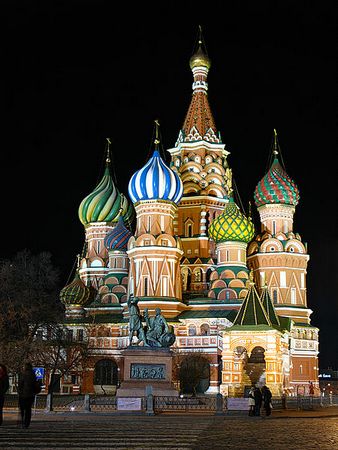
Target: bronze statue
(158, 332)
(135, 323)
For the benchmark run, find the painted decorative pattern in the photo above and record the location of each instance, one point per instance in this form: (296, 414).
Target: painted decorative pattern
(155, 181)
(104, 203)
(231, 225)
(118, 238)
(276, 187)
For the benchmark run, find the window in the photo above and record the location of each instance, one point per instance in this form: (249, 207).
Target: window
(146, 242)
(192, 330)
(293, 295)
(145, 281)
(98, 246)
(164, 242)
(282, 276)
(80, 335)
(275, 295)
(302, 280)
(273, 227)
(69, 335)
(189, 230)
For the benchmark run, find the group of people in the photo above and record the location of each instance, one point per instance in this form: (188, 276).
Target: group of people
(28, 387)
(258, 398)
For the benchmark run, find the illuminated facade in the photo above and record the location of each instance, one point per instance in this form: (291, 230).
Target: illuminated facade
(232, 294)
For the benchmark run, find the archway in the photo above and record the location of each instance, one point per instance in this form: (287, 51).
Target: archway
(255, 366)
(105, 376)
(194, 374)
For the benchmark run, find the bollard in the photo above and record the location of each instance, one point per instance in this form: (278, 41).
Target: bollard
(284, 402)
(219, 404)
(86, 403)
(49, 403)
(150, 405)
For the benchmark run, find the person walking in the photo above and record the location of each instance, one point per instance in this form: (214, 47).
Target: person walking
(26, 391)
(258, 401)
(4, 385)
(267, 396)
(252, 401)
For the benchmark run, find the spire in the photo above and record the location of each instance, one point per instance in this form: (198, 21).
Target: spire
(268, 306)
(199, 123)
(252, 311)
(157, 135)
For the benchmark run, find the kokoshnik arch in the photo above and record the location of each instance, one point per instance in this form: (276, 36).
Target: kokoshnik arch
(235, 295)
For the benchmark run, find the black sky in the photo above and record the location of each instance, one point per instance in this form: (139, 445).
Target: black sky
(76, 72)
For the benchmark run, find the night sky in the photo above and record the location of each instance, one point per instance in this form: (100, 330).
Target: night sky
(76, 72)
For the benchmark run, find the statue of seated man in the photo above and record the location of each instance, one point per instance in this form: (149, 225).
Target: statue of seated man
(158, 332)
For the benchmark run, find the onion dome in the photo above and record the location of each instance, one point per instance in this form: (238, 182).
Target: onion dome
(118, 238)
(276, 187)
(231, 225)
(105, 202)
(155, 181)
(199, 59)
(76, 293)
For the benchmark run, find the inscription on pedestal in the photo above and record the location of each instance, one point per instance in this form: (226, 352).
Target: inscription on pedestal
(147, 371)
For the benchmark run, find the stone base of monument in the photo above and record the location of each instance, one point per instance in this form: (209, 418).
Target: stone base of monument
(144, 367)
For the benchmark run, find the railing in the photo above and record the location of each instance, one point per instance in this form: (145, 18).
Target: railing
(216, 404)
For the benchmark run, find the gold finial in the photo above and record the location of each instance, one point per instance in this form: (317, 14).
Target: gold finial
(275, 143)
(157, 139)
(200, 35)
(78, 260)
(249, 214)
(108, 150)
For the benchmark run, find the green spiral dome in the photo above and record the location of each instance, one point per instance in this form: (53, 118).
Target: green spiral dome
(105, 203)
(231, 225)
(76, 293)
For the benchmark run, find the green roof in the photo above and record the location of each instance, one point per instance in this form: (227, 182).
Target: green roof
(269, 308)
(252, 311)
(229, 314)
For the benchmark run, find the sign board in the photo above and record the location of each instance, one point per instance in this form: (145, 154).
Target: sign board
(129, 404)
(238, 404)
(39, 372)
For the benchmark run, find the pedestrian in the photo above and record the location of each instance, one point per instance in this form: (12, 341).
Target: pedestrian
(26, 391)
(266, 397)
(4, 385)
(258, 401)
(252, 401)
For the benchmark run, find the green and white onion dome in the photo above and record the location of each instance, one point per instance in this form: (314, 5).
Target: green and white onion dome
(76, 293)
(105, 203)
(231, 225)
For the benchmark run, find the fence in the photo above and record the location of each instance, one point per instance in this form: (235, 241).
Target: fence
(214, 404)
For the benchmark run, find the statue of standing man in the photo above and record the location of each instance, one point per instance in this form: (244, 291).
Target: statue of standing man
(135, 323)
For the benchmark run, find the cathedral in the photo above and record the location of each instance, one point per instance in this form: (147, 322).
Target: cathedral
(235, 296)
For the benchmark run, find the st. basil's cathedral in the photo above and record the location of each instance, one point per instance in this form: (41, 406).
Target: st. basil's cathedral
(234, 295)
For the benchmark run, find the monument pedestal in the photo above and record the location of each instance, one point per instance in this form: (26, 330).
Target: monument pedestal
(147, 366)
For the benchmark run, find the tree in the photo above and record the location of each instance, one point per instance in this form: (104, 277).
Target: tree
(29, 301)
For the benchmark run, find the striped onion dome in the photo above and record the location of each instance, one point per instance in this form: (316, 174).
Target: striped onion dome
(118, 238)
(231, 225)
(276, 187)
(155, 181)
(76, 293)
(105, 202)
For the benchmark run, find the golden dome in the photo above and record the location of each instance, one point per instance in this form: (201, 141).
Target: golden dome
(199, 59)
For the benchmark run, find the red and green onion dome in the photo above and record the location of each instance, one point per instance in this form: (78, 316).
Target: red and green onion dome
(76, 293)
(105, 202)
(118, 238)
(231, 225)
(276, 187)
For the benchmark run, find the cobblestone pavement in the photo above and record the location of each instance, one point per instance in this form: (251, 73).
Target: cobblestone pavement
(94, 431)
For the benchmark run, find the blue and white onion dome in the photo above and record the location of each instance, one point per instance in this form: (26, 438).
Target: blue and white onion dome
(155, 181)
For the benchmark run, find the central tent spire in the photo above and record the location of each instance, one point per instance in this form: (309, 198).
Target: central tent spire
(199, 123)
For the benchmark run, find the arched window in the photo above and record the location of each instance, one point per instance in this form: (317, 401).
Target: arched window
(205, 329)
(275, 295)
(105, 372)
(192, 330)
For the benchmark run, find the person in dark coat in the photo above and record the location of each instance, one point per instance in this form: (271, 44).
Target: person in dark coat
(26, 391)
(258, 401)
(4, 385)
(267, 396)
